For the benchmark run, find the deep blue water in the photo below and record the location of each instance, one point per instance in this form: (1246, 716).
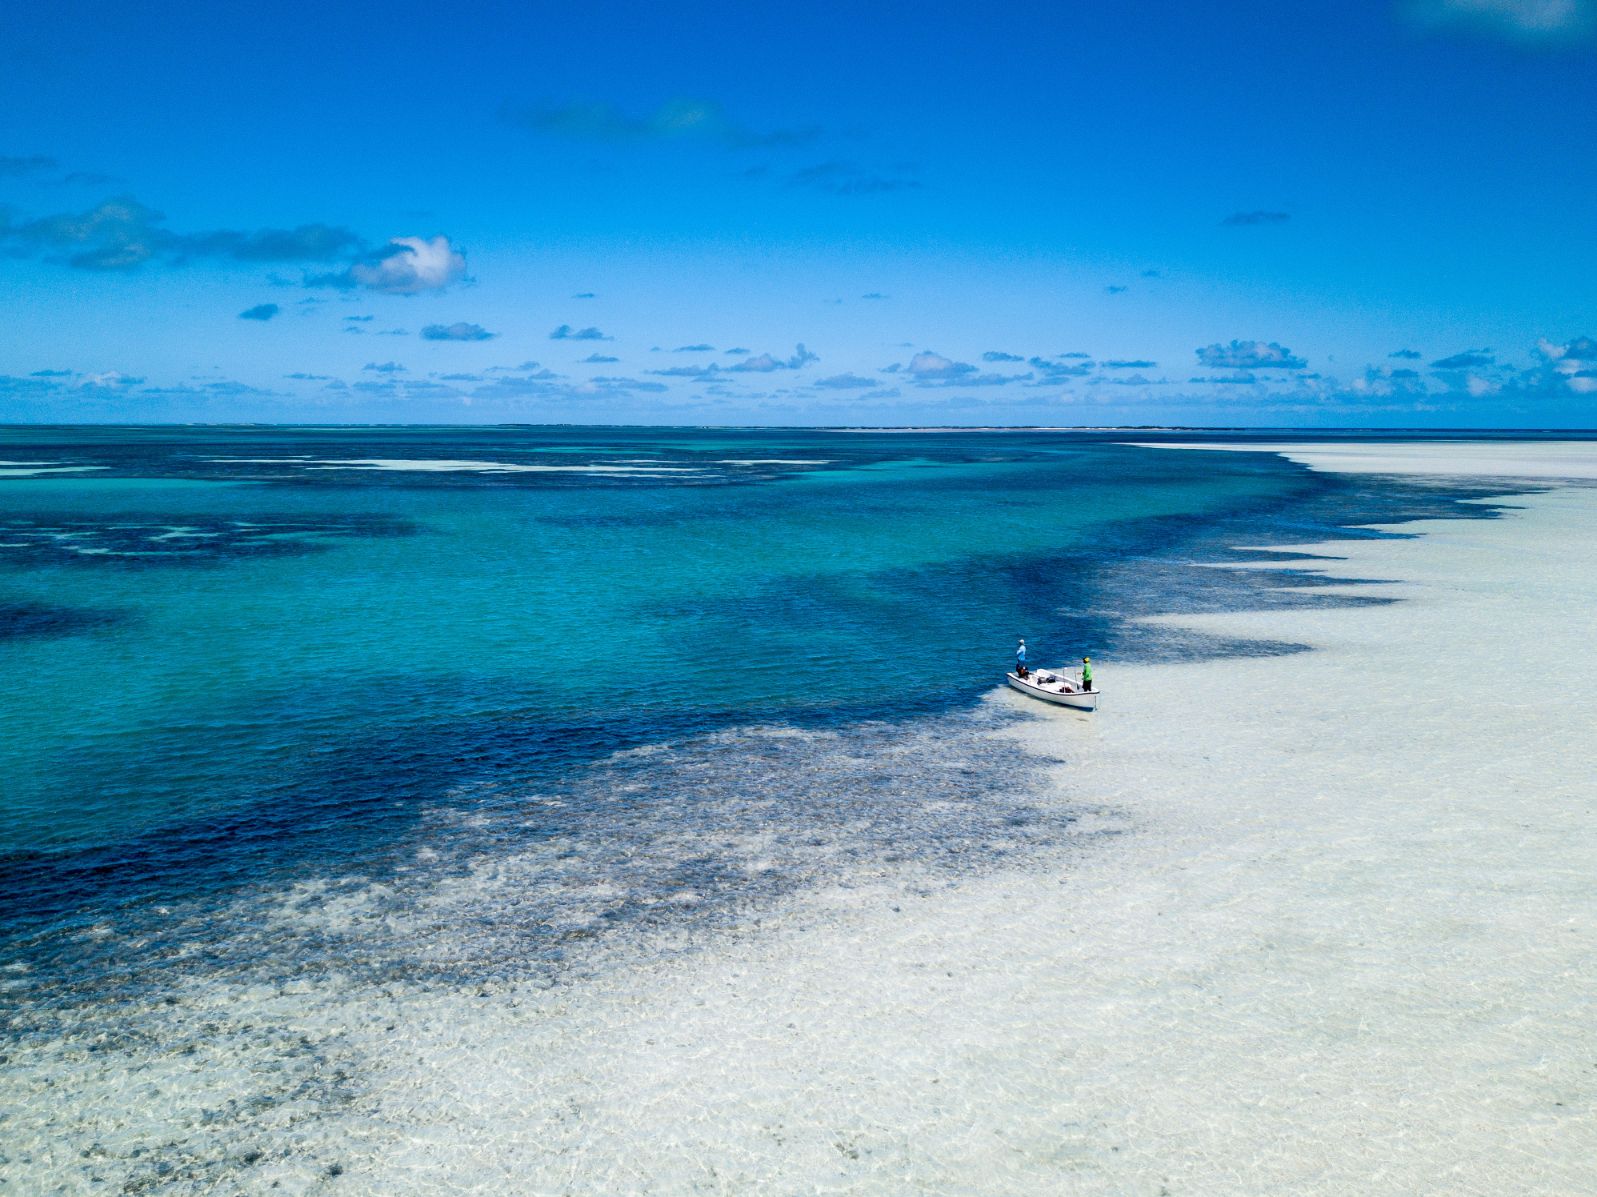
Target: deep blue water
(237, 660)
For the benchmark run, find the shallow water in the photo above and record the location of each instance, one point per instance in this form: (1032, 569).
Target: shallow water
(286, 725)
(229, 653)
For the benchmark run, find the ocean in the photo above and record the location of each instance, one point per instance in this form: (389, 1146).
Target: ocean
(469, 707)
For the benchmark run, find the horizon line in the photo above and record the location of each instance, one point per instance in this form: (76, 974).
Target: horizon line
(1299, 428)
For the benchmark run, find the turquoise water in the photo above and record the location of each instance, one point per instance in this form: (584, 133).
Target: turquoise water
(231, 654)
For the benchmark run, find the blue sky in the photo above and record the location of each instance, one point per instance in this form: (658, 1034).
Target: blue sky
(1318, 214)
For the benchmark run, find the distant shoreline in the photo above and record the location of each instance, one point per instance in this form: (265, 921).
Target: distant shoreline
(1483, 433)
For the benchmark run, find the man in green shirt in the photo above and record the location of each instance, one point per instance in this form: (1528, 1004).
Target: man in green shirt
(1086, 673)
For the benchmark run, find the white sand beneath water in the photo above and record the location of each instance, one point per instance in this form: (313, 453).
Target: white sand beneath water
(1348, 947)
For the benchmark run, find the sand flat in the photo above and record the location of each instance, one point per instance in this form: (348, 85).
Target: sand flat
(1461, 458)
(1345, 947)
(1328, 929)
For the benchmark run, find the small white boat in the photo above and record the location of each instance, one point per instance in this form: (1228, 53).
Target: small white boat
(1056, 686)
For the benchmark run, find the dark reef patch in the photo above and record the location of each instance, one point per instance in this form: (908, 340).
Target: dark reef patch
(133, 541)
(20, 621)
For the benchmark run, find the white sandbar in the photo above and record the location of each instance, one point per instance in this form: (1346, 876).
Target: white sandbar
(23, 469)
(1474, 459)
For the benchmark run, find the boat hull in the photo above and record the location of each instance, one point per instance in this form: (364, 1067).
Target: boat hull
(1064, 693)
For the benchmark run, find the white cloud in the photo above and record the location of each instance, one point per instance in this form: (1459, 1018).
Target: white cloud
(458, 331)
(1578, 355)
(109, 379)
(1574, 363)
(929, 364)
(415, 264)
(764, 363)
(1249, 355)
(1388, 381)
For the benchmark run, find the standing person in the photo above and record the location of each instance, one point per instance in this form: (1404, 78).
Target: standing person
(1020, 658)
(1086, 673)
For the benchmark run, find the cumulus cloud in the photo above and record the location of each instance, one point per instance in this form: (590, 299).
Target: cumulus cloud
(680, 120)
(1256, 217)
(709, 371)
(1116, 289)
(529, 367)
(113, 395)
(1565, 369)
(411, 265)
(1525, 22)
(261, 311)
(566, 333)
(545, 386)
(1470, 359)
(384, 368)
(928, 366)
(112, 380)
(600, 359)
(929, 369)
(1409, 355)
(846, 382)
(1120, 363)
(1573, 365)
(1069, 365)
(458, 331)
(1131, 380)
(996, 355)
(122, 234)
(118, 234)
(1249, 355)
(765, 363)
(694, 349)
(1388, 382)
